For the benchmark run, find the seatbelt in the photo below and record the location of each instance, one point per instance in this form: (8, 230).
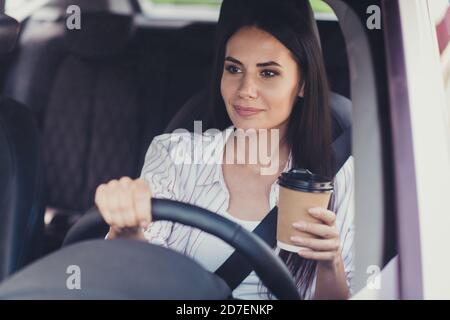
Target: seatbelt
(342, 149)
(236, 268)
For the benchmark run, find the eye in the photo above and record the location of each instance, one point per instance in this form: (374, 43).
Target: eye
(269, 73)
(232, 69)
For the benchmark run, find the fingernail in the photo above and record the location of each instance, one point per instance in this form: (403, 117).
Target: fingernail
(300, 225)
(314, 210)
(296, 239)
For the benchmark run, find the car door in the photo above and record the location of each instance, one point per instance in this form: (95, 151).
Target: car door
(401, 141)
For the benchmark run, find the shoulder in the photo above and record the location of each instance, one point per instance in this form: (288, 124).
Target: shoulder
(343, 194)
(181, 137)
(170, 146)
(183, 146)
(344, 177)
(168, 141)
(178, 159)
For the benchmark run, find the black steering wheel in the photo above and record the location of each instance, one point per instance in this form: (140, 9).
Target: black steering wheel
(270, 269)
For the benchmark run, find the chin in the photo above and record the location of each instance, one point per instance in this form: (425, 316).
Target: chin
(249, 124)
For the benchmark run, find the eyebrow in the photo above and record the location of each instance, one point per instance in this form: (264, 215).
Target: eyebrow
(263, 64)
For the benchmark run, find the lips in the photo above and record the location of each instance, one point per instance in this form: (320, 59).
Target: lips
(246, 111)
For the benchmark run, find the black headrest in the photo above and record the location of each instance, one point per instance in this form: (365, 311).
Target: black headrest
(100, 34)
(9, 30)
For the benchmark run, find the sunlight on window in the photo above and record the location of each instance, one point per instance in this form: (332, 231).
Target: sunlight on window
(14, 5)
(318, 5)
(20, 9)
(207, 9)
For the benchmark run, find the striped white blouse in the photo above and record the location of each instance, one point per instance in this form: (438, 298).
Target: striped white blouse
(172, 174)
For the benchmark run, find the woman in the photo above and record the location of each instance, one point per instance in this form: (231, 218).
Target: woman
(269, 75)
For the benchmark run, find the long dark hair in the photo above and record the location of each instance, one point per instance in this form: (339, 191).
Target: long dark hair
(309, 128)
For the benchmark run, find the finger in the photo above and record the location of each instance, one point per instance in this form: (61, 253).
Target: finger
(126, 206)
(112, 205)
(100, 203)
(326, 216)
(317, 229)
(99, 191)
(319, 256)
(141, 201)
(317, 244)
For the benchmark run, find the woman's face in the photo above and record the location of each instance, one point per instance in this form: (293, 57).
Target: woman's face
(260, 80)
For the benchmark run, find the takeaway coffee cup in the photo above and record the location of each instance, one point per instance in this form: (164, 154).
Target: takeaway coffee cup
(300, 190)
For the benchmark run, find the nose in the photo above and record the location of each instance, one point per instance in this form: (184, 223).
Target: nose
(248, 88)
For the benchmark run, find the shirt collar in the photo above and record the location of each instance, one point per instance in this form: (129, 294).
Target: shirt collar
(212, 171)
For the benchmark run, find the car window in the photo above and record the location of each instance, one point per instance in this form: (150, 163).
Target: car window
(20, 9)
(207, 9)
(368, 145)
(13, 5)
(318, 5)
(440, 14)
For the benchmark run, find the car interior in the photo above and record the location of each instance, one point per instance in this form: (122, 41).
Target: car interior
(87, 103)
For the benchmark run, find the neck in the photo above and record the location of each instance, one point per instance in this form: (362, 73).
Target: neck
(264, 152)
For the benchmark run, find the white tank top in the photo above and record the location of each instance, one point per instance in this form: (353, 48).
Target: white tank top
(207, 254)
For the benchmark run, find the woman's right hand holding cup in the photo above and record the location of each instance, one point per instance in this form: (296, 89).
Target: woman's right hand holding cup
(125, 206)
